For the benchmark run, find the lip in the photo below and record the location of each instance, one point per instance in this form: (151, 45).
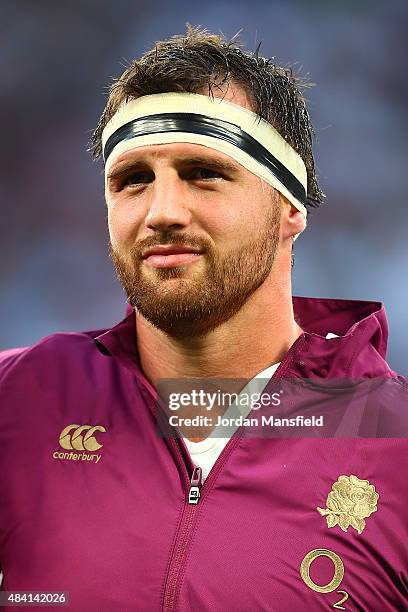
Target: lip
(171, 261)
(170, 249)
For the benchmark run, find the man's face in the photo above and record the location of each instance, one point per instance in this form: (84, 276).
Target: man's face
(179, 197)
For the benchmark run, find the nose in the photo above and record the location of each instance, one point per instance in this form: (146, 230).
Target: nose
(168, 205)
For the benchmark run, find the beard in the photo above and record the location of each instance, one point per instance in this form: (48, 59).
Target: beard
(194, 299)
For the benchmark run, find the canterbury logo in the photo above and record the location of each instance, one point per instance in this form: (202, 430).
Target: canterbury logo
(73, 437)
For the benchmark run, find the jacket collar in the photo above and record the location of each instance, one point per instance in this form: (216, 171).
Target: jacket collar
(358, 352)
(361, 348)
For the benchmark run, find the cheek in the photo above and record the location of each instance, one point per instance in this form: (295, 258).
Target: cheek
(238, 222)
(225, 211)
(123, 225)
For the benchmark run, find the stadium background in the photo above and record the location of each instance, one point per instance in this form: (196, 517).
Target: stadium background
(55, 61)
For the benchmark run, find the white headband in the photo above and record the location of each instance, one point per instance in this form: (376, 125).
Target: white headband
(212, 122)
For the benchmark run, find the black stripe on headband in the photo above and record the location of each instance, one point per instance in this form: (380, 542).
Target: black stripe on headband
(207, 126)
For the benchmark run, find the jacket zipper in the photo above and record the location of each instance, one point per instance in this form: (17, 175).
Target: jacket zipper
(195, 486)
(194, 491)
(185, 530)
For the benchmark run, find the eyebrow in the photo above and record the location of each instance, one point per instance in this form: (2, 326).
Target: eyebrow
(212, 164)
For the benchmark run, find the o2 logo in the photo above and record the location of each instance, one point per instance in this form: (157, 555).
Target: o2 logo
(334, 582)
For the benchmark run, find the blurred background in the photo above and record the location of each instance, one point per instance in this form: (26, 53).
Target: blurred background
(56, 60)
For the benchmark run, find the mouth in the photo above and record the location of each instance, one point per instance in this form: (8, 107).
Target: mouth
(171, 255)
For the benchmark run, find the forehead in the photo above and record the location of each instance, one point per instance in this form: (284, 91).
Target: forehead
(174, 153)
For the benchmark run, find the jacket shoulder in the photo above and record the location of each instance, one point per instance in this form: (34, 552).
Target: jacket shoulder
(390, 401)
(9, 357)
(55, 346)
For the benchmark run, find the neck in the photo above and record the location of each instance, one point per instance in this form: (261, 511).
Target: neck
(262, 331)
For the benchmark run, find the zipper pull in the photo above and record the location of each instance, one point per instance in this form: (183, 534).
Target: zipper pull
(195, 484)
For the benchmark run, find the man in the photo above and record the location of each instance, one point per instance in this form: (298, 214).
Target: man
(209, 175)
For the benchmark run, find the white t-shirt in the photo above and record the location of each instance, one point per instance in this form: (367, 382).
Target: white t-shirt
(205, 453)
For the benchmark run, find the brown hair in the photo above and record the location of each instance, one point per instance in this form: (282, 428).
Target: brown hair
(199, 60)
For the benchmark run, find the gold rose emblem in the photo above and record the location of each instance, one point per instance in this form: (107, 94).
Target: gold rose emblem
(350, 501)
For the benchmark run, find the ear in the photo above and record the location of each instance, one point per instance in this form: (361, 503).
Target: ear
(293, 221)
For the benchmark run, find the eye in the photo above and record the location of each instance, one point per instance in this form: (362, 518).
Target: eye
(137, 178)
(204, 174)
